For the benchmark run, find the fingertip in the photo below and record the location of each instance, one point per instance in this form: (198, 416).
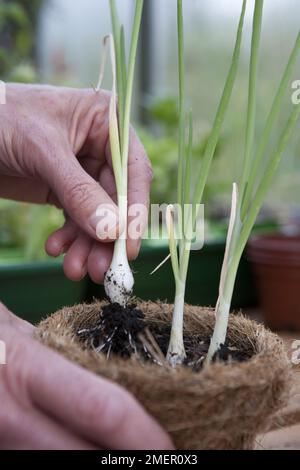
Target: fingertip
(97, 275)
(160, 439)
(99, 261)
(142, 431)
(53, 247)
(60, 240)
(133, 249)
(74, 269)
(75, 261)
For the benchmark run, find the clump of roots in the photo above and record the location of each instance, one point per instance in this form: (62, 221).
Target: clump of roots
(122, 331)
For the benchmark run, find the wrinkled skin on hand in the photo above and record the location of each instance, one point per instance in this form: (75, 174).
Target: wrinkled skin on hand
(54, 148)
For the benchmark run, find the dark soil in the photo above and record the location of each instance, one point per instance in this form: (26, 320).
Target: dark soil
(124, 332)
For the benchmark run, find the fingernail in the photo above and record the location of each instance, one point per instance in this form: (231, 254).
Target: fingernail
(133, 248)
(64, 250)
(138, 246)
(105, 223)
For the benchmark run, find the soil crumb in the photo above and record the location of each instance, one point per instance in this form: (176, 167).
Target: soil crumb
(122, 331)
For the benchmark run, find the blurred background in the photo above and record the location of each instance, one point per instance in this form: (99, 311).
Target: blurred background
(59, 42)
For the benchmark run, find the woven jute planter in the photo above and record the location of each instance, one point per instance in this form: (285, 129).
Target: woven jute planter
(224, 406)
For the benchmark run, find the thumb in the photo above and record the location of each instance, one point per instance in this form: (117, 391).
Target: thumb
(84, 200)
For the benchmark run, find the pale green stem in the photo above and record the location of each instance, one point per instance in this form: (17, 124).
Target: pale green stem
(251, 113)
(223, 310)
(114, 129)
(181, 137)
(220, 116)
(120, 250)
(227, 279)
(121, 85)
(265, 138)
(129, 89)
(172, 241)
(124, 73)
(267, 179)
(176, 351)
(180, 261)
(187, 173)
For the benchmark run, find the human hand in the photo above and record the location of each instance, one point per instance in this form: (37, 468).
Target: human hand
(54, 148)
(48, 403)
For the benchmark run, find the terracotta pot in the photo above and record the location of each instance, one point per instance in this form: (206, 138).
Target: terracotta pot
(276, 264)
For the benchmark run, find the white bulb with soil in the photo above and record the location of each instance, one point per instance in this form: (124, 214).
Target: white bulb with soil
(119, 281)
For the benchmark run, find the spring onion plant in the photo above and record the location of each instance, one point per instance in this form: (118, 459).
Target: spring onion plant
(180, 247)
(119, 278)
(259, 167)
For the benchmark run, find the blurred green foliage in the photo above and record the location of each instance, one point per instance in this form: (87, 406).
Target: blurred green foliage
(26, 227)
(165, 112)
(161, 144)
(43, 220)
(18, 26)
(13, 219)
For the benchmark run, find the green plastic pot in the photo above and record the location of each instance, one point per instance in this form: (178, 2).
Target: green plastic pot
(34, 290)
(203, 279)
